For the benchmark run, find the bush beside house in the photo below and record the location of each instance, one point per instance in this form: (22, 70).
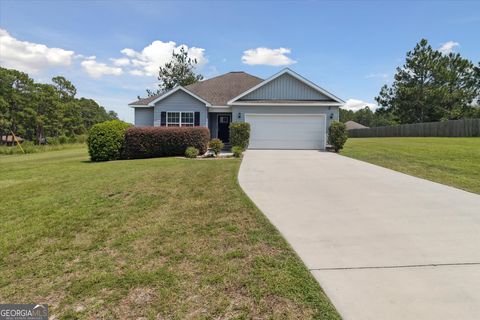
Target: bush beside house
(237, 151)
(216, 145)
(240, 134)
(337, 135)
(191, 152)
(106, 140)
(151, 142)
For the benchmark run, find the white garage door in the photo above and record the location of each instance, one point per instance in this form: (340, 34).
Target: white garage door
(286, 131)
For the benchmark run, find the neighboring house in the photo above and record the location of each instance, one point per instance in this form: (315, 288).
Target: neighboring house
(9, 140)
(354, 125)
(285, 111)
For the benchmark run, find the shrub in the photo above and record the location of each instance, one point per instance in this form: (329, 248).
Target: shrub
(53, 141)
(62, 139)
(191, 152)
(82, 138)
(237, 151)
(106, 140)
(240, 134)
(151, 142)
(216, 145)
(337, 135)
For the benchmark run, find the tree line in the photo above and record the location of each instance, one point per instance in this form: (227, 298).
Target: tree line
(431, 86)
(37, 111)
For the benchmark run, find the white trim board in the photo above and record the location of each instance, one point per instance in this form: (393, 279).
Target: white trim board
(297, 104)
(169, 93)
(296, 76)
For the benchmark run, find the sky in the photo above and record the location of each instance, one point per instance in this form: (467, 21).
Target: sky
(111, 50)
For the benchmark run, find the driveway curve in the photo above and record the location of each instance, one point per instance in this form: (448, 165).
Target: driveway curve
(382, 244)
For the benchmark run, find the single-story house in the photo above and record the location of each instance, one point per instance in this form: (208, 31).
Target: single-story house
(9, 140)
(354, 125)
(285, 111)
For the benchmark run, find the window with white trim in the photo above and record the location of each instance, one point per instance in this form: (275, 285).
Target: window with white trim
(180, 119)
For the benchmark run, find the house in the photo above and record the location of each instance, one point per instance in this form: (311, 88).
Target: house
(9, 140)
(285, 111)
(354, 125)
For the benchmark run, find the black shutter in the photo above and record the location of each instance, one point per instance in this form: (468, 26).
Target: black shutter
(163, 119)
(196, 121)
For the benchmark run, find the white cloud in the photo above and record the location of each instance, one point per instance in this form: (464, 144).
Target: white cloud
(121, 62)
(377, 75)
(267, 56)
(30, 57)
(156, 54)
(448, 47)
(355, 105)
(137, 73)
(97, 69)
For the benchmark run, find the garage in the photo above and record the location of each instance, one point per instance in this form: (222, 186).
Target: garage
(287, 131)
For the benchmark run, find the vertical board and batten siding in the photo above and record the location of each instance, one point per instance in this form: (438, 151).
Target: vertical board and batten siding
(452, 128)
(180, 101)
(143, 117)
(285, 87)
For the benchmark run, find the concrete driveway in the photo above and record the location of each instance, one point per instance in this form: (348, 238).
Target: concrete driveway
(383, 245)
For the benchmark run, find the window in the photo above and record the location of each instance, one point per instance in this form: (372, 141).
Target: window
(180, 119)
(224, 119)
(187, 119)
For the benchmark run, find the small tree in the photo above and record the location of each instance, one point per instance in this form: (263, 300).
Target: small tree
(179, 71)
(337, 135)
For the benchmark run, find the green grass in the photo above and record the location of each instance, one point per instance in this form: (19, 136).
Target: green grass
(451, 161)
(30, 148)
(158, 238)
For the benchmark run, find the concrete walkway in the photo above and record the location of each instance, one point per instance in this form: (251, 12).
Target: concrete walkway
(383, 245)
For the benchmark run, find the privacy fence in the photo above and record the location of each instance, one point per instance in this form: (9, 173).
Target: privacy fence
(451, 128)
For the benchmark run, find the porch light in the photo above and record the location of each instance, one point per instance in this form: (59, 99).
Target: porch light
(331, 115)
(239, 116)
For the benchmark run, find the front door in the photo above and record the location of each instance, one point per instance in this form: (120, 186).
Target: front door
(223, 130)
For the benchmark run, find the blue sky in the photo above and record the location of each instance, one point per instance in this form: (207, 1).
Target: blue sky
(111, 49)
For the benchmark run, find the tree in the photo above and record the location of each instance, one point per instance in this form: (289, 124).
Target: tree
(65, 88)
(36, 111)
(179, 71)
(367, 117)
(431, 86)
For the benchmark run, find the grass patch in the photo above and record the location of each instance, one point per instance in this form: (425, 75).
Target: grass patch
(155, 238)
(30, 148)
(451, 161)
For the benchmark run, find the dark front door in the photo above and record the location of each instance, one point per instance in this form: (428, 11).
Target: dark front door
(223, 124)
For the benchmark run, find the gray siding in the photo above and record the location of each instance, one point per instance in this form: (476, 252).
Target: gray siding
(143, 117)
(180, 101)
(285, 87)
(285, 110)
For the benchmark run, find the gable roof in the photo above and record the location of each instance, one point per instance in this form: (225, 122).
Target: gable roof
(214, 91)
(354, 125)
(296, 76)
(179, 88)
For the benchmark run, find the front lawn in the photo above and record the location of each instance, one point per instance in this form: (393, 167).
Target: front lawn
(451, 161)
(158, 238)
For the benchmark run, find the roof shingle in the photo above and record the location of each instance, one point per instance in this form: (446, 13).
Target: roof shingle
(218, 90)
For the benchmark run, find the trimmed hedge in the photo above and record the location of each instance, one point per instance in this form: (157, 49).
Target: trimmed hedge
(240, 134)
(152, 142)
(105, 140)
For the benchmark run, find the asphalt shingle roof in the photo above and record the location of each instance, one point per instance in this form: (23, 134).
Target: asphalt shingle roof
(218, 90)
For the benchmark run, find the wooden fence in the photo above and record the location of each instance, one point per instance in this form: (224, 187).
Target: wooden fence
(451, 128)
